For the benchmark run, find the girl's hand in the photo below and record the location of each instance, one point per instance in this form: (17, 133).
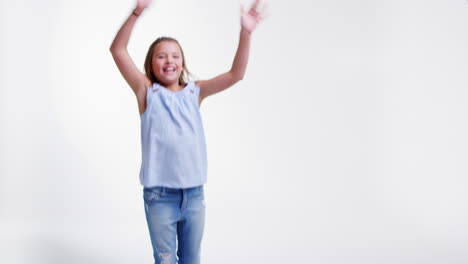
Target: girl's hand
(142, 5)
(250, 19)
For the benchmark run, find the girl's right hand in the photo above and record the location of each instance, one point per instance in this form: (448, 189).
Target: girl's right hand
(142, 5)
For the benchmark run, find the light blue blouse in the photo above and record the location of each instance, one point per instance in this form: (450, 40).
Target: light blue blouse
(172, 138)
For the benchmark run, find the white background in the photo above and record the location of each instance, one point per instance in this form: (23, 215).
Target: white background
(346, 142)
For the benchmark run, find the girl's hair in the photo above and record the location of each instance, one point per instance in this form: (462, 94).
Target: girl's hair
(183, 79)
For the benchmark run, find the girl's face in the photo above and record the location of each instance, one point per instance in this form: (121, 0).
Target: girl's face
(167, 62)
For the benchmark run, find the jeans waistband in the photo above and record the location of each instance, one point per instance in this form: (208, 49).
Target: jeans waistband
(169, 189)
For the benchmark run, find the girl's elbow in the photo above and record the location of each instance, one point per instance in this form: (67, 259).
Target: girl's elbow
(238, 78)
(112, 49)
(115, 48)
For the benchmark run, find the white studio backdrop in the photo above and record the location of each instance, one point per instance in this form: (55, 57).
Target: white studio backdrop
(345, 142)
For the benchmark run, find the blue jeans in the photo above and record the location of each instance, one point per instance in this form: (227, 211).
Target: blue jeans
(175, 213)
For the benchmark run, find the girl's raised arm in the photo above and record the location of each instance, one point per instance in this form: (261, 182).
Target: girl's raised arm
(134, 77)
(249, 20)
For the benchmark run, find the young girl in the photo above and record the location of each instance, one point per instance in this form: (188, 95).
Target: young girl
(174, 161)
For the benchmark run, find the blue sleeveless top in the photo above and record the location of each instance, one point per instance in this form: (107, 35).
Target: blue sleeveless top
(172, 138)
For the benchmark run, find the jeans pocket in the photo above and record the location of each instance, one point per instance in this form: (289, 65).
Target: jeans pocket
(152, 194)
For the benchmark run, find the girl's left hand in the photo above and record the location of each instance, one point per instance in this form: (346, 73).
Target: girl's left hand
(250, 19)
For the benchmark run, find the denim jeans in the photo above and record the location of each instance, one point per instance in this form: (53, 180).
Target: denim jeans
(175, 213)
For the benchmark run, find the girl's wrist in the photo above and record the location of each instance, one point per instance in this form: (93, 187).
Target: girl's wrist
(137, 12)
(243, 30)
